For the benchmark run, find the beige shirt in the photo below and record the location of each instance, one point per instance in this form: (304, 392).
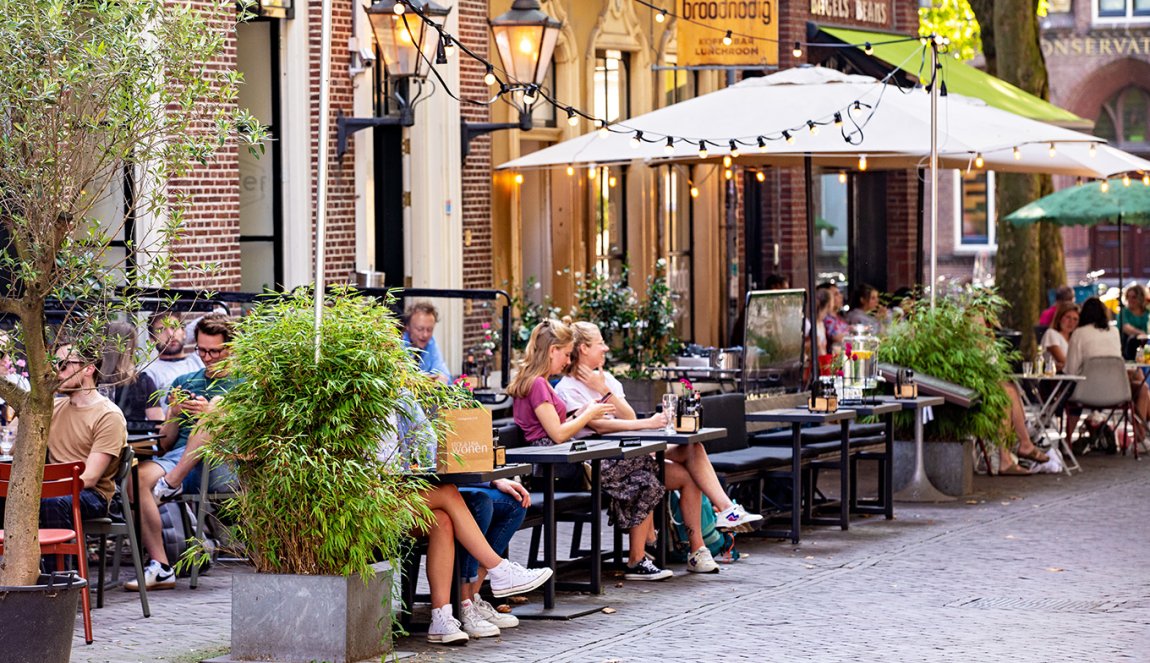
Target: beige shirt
(78, 431)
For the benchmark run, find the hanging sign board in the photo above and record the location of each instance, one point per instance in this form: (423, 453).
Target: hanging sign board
(703, 24)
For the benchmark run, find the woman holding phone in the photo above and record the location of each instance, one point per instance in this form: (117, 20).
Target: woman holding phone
(632, 483)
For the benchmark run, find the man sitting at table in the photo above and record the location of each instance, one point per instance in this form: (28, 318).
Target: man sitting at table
(166, 476)
(172, 360)
(418, 329)
(87, 427)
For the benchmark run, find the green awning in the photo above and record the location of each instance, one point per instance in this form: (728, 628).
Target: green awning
(962, 78)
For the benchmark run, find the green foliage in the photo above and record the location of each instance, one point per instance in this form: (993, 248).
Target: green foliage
(88, 89)
(639, 332)
(314, 498)
(528, 312)
(953, 19)
(954, 342)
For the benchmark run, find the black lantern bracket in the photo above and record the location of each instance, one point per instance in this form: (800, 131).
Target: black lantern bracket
(346, 126)
(469, 131)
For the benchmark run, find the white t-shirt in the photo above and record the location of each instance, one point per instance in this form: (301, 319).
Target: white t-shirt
(1053, 339)
(1087, 342)
(577, 395)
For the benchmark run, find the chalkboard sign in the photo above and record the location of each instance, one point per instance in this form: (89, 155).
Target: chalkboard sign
(773, 342)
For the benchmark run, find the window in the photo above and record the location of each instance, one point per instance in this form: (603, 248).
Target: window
(974, 202)
(543, 112)
(612, 101)
(1124, 120)
(612, 85)
(678, 84)
(675, 243)
(1122, 9)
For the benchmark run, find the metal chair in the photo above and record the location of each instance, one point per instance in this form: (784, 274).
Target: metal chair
(61, 480)
(204, 501)
(1106, 387)
(109, 527)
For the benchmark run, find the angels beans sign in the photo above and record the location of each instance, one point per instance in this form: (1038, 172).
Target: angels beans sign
(703, 44)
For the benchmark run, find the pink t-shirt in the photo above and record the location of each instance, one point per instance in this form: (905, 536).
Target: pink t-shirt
(1046, 318)
(524, 409)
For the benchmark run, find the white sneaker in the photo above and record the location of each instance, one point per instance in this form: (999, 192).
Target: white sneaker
(646, 570)
(701, 561)
(162, 491)
(488, 612)
(734, 516)
(509, 579)
(444, 629)
(155, 577)
(474, 623)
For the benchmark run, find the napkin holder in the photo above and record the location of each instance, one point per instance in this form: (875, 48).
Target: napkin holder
(904, 385)
(823, 397)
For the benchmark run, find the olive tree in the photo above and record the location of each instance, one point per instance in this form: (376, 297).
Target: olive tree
(91, 90)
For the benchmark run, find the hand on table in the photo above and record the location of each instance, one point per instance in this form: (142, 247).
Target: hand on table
(657, 420)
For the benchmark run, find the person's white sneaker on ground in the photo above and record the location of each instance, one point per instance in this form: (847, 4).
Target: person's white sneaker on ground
(509, 579)
(734, 516)
(162, 491)
(155, 577)
(488, 612)
(701, 561)
(444, 629)
(474, 623)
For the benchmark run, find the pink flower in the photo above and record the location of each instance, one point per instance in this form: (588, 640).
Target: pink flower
(486, 325)
(847, 348)
(20, 363)
(685, 382)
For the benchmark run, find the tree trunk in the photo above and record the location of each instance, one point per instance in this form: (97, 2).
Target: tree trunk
(1028, 259)
(984, 14)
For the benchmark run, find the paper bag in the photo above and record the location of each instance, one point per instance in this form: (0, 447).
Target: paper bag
(467, 446)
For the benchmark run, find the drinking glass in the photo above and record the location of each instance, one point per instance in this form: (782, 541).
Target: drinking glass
(7, 441)
(1027, 368)
(670, 406)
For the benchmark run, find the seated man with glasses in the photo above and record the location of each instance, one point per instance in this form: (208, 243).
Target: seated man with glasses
(179, 468)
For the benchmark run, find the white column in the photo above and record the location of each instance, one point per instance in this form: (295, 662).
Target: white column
(295, 132)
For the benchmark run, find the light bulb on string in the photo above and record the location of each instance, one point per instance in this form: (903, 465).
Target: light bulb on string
(862, 162)
(858, 105)
(399, 8)
(1017, 154)
(669, 148)
(760, 176)
(529, 97)
(812, 127)
(603, 130)
(572, 118)
(734, 149)
(1126, 180)
(728, 174)
(842, 177)
(868, 49)
(762, 144)
(726, 161)
(661, 16)
(838, 119)
(979, 162)
(788, 137)
(592, 172)
(797, 51)
(570, 171)
(1105, 186)
(489, 77)
(702, 149)
(1053, 151)
(727, 38)
(636, 140)
(694, 192)
(1093, 150)
(612, 181)
(519, 178)
(448, 46)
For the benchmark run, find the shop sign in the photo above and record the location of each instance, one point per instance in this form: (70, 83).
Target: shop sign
(1095, 45)
(860, 11)
(703, 44)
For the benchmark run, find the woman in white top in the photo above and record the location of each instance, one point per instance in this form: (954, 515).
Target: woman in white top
(1056, 340)
(1096, 338)
(688, 469)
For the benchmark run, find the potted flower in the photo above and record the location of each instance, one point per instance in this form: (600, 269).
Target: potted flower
(317, 510)
(83, 102)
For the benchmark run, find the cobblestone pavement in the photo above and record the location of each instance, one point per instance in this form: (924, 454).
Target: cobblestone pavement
(1042, 568)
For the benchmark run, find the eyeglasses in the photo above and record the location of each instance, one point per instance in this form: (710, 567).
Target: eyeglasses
(61, 364)
(212, 353)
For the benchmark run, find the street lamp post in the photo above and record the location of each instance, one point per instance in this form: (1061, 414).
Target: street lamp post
(525, 39)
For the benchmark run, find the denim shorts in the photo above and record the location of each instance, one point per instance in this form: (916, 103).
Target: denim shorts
(222, 477)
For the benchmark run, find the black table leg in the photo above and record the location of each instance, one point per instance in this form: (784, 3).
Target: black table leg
(596, 528)
(661, 514)
(887, 485)
(796, 480)
(549, 533)
(845, 476)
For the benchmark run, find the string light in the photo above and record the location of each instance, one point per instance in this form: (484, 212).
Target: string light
(448, 46)
(727, 38)
(702, 149)
(519, 178)
(1053, 151)
(726, 161)
(1146, 179)
(603, 131)
(1093, 150)
(489, 77)
(868, 49)
(592, 172)
(636, 140)
(572, 118)
(734, 149)
(842, 177)
(1017, 154)
(399, 8)
(612, 181)
(694, 192)
(798, 50)
(661, 16)
(570, 171)
(812, 127)
(762, 144)
(838, 119)
(978, 160)
(862, 162)
(1126, 180)
(788, 137)
(760, 176)
(529, 97)
(669, 148)
(728, 174)
(1105, 186)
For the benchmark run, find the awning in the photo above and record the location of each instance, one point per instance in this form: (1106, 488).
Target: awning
(961, 78)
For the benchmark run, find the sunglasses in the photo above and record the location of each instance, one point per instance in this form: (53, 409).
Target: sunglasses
(212, 353)
(61, 364)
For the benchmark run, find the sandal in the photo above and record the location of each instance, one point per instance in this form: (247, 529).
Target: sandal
(1013, 471)
(1035, 455)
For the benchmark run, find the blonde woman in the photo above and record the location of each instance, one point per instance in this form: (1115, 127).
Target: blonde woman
(688, 469)
(632, 483)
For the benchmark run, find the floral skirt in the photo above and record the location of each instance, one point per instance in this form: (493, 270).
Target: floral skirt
(634, 487)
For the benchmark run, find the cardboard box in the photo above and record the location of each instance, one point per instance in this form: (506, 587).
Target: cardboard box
(467, 445)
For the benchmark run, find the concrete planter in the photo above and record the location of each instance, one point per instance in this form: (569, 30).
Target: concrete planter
(644, 395)
(297, 618)
(949, 465)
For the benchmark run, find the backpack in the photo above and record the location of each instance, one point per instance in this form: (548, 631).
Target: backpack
(1099, 436)
(176, 537)
(719, 542)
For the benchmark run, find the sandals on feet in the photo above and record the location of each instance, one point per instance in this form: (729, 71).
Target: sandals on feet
(1013, 471)
(1035, 455)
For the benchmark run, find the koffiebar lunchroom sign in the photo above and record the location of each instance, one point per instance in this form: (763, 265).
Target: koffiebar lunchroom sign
(703, 25)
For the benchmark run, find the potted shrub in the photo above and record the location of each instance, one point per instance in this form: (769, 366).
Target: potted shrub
(955, 342)
(88, 89)
(315, 508)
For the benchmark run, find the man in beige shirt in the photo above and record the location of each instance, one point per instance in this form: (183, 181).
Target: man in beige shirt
(86, 427)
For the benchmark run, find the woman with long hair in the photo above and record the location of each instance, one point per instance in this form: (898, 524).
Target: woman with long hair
(541, 413)
(1056, 340)
(130, 389)
(1133, 320)
(688, 468)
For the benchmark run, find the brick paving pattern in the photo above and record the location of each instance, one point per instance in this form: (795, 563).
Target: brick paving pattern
(1044, 568)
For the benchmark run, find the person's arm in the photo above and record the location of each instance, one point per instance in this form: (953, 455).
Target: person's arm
(1074, 355)
(94, 466)
(438, 367)
(655, 421)
(562, 431)
(513, 489)
(597, 382)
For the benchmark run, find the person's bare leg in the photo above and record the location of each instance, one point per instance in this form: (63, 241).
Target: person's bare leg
(151, 527)
(440, 558)
(690, 501)
(694, 458)
(1018, 421)
(189, 460)
(447, 499)
(638, 540)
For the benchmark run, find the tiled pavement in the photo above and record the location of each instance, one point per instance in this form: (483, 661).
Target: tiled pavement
(1042, 568)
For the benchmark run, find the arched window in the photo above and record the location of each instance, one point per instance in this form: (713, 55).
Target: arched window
(1124, 120)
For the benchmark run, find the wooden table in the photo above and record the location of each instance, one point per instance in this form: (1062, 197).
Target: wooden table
(797, 418)
(547, 458)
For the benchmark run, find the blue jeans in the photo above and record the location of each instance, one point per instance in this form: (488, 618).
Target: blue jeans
(56, 512)
(498, 516)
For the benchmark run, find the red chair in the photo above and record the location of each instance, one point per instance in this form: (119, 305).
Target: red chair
(61, 480)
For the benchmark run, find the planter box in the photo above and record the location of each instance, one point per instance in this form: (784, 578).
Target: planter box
(644, 395)
(949, 465)
(296, 618)
(38, 621)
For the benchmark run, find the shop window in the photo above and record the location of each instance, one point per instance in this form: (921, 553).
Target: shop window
(1122, 9)
(675, 230)
(1124, 120)
(975, 231)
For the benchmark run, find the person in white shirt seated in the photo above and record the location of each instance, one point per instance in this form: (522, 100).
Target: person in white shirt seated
(1056, 340)
(688, 469)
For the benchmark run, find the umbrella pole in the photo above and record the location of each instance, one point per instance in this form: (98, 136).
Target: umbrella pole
(812, 304)
(321, 167)
(934, 84)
